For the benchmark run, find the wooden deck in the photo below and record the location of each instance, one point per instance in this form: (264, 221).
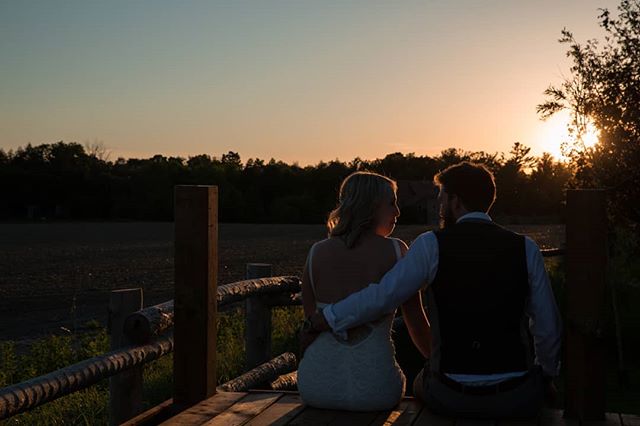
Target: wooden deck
(257, 408)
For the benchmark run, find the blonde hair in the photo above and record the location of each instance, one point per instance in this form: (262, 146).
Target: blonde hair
(361, 193)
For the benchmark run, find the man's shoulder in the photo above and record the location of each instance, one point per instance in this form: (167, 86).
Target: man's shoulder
(425, 240)
(529, 242)
(531, 247)
(427, 235)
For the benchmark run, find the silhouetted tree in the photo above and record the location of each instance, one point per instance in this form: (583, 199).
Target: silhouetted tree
(548, 181)
(511, 181)
(63, 181)
(604, 88)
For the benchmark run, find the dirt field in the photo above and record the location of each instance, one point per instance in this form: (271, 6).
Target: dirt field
(58, 276)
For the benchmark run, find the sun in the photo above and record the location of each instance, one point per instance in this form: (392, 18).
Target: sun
(554, 132)
(591, 135)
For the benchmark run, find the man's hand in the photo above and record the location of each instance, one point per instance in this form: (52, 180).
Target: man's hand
(313, 326)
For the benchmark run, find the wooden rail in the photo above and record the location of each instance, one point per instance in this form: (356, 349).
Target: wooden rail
(286, 382)
(266, 372)
(553, 252)
(24, 396)
(157, 320)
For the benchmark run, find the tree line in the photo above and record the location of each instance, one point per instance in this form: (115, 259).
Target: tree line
(68, 181)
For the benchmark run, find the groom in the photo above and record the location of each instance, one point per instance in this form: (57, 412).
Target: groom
(494, 321)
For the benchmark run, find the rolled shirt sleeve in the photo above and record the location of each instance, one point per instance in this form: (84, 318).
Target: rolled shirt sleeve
(405, 279)
(544, 319)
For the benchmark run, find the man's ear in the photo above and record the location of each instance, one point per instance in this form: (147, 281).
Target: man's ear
(457, 206)
(455, 202)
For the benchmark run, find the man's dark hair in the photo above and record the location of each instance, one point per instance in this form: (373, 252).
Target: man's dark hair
(472, 183)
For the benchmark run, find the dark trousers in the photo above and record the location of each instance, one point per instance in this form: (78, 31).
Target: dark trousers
(514, 398)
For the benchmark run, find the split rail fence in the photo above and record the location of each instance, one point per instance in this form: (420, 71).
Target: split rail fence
(186, 325)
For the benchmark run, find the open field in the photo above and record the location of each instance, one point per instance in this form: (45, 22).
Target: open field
(58, 276)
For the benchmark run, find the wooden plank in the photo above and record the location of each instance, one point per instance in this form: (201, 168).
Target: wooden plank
(279, 413)
(315, 417)
(630, 420)
(518, 422)
(477, 422)
(245, 409)
(553, 417)
(427, 418)
(205, 410)
(610, 419)
(586, 290)
(272, 391)
(152, 416)
(352, 418)
(404, 414)
(195, 305)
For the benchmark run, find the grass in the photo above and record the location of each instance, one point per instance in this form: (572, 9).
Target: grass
(90, 406)
(86, 407)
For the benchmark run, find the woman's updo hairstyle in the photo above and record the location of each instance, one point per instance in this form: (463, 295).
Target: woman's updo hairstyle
(360, 195)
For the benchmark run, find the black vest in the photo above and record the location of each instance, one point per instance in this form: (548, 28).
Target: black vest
(480, 291)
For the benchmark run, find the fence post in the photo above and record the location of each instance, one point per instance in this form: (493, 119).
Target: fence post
(125, 389)
(195, 306)
(586, 293)
(257, 321)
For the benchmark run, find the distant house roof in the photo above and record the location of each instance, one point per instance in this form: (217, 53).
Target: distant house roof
(412, 192)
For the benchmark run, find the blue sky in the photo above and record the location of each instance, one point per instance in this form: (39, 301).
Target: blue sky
(294, 80)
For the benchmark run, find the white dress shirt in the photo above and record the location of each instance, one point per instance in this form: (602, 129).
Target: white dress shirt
(418, 268)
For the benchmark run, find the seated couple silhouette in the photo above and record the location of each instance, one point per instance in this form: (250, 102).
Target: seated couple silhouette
(491, 339)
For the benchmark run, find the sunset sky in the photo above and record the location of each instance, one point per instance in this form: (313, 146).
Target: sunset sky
(293, 80)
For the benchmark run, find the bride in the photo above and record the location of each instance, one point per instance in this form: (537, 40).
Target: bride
(358, 371)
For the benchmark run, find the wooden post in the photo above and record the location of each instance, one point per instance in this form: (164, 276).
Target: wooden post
(257, 321)
(586, 294)
(195, 307)
(125, 389)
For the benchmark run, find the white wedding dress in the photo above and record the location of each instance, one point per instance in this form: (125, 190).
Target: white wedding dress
(360, 374)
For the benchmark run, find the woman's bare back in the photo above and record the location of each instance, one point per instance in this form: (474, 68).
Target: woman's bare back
(338, 271)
